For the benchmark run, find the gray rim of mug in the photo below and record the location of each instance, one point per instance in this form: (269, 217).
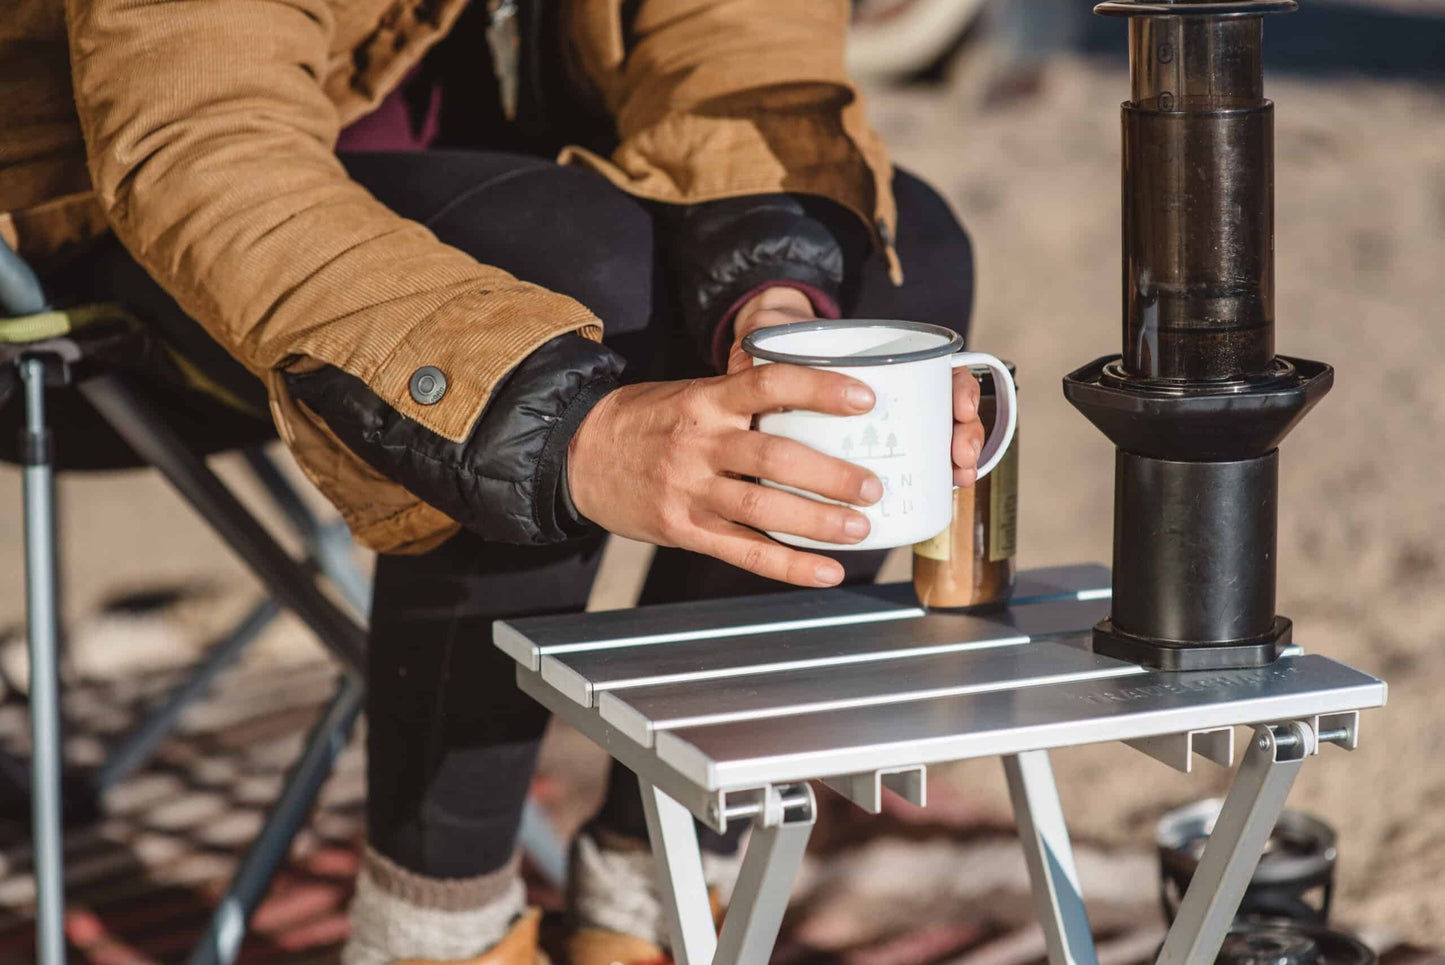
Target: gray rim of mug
(752, 347)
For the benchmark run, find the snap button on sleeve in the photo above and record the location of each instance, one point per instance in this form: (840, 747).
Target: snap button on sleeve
(428, 385)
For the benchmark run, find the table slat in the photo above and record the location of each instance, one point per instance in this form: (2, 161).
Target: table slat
(582, 675)
(754, 752)
(530, 638)
(639, 712)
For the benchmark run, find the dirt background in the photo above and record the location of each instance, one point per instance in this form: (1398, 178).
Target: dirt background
(1361, 249)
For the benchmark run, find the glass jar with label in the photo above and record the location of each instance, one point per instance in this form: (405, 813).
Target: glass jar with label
(972, 563)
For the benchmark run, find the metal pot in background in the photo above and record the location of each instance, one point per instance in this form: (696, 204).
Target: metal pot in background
(1265, 942)
(1295, 879)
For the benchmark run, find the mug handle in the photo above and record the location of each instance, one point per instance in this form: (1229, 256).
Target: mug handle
(1006, 408)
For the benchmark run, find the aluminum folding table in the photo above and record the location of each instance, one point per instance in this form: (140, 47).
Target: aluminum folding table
(728, 710)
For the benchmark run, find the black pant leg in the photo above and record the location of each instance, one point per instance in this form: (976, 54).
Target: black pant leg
(564, 228)
(937, 258)
(452, 742)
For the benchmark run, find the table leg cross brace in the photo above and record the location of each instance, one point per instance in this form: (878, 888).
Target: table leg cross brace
(1240, 834)
(770, 864)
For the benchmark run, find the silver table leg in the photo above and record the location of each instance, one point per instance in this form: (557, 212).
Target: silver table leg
(1241, 831)
(1050, 857)
(759, 899)
(679, 877)
(43, 625)
(765, 880)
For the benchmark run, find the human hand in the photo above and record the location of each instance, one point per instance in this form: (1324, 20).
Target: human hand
(968, 431)
(769, 307)
(662, 462)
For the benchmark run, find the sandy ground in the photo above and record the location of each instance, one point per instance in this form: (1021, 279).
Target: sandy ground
(1360, 241)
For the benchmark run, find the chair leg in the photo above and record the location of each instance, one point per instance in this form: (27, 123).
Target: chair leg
(147, 433)
(43, 625)
(326, 742)
(293, 585)
(328, 544)
(331, 551)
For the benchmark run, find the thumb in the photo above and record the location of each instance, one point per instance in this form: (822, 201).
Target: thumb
(738, 360)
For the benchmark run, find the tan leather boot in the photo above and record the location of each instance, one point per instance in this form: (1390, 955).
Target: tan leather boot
(519, 947)
(613, 902)
(597, 946)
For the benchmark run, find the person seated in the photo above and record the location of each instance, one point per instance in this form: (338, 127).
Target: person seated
(488, 266)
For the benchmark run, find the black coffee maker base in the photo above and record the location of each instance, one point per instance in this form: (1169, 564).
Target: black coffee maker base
(1166, 655)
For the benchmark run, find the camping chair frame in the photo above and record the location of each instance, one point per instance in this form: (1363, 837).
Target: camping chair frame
(47, 361)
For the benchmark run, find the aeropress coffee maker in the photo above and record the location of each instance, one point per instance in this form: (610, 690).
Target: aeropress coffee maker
(1197, 402)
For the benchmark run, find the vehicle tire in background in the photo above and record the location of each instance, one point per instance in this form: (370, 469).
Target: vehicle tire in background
(895, 39)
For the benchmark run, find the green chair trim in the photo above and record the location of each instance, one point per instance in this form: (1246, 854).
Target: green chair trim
(27, 329)
(34, 328)
(24, 329)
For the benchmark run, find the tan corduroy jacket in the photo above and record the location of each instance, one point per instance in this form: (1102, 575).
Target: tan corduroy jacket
(209, 128)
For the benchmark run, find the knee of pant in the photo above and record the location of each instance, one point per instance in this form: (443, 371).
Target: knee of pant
(927, 226)
(574, 232)
(936, 252)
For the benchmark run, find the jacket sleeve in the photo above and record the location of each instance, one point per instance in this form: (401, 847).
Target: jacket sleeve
(210, 141)
(507, 478)
(724, 100)
(721, 251)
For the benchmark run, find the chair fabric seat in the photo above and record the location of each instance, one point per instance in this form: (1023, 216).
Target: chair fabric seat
(99, 339)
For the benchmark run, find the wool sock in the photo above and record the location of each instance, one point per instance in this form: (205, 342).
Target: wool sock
(398, 914)
(613, 884)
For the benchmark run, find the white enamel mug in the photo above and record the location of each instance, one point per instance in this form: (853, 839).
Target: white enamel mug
(906, 439)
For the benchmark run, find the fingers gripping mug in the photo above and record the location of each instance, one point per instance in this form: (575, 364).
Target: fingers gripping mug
(906, 439)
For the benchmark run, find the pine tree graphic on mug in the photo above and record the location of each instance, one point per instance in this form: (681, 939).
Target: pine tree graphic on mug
(870, 439)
